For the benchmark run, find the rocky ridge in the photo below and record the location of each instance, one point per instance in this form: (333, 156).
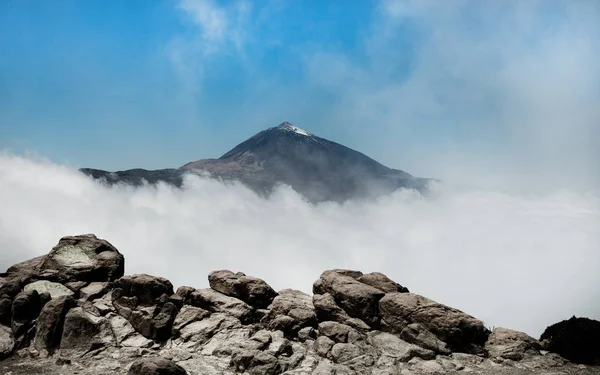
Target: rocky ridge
(74, 311)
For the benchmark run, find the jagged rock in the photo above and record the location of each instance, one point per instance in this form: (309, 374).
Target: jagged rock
(342, 352)
(263, 364)
(417, 334)
(393, 346)
(509, 344)
(93, 291)
(45, 286)
(252, 290)
(279, 345)
(201, 331)
(357, 299)
(125, 334)
(576, 339)
(323, 345)
(5, 311)
(336, 331)
(155, 366)
(50, 323)
(83, 332)
(460, 331)
(142, 300)
(291, 311)
(188, 314)
(214, 301)
(25, 309)
(83, 258)
(382, 282)
(7, 342)
(147, 289)
(307, 333)
(75, 286)
(185, 292)
(326, 309)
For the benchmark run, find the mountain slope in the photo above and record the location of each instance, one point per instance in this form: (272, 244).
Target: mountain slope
(317, 168)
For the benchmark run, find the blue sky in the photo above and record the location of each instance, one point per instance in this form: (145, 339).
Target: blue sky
(425, 86)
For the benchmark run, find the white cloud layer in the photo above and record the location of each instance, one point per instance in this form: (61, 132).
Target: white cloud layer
(519, 261)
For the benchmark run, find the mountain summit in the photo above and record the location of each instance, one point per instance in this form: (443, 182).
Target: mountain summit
(315, 167)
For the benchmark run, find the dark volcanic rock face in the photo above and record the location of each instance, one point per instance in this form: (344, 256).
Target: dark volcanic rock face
(137, 325)
(576, 339)
(315, 167)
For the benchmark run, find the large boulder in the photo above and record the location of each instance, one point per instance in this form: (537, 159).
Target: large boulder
(461, 332)
(252, 290)
(25, 309)
(155, 366)
(52, 288)
(144, 301)
(83, 258)
(508, 344)
(382, 282)
(49, 326)
(291, 311)
(357, 299)
(326, 309)
(83, 332)
(214, 301)
(147, 289)
(576, 339)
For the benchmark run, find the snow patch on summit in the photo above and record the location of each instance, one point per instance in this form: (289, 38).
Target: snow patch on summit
(289, 127)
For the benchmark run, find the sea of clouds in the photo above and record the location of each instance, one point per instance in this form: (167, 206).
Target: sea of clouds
(517, 260)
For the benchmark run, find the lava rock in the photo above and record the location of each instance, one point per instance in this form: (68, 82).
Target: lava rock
(576, 339)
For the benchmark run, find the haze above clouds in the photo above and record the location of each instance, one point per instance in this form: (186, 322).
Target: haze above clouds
(500, 98)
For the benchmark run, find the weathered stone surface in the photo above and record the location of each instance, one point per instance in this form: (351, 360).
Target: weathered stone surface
(7, 342)
(291, 311)
(25, 309)
(201, 331)
(155, 366)
(147, 289)
(509, 344)
(323, 345)
(576, 339)
(214, 301)
(461, 332)
(50, 323)
(83, 332)
(5, 311)
(188, 314)
(84, 258)
(45, 286)
(417, 334)
(382, 282)
(326, 309)
(252, 290)
(93, 291)
(393, 346)
(357, 299)
(336, 331)
(263, 364)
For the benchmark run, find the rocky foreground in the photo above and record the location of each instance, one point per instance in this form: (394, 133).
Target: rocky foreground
(73, 311)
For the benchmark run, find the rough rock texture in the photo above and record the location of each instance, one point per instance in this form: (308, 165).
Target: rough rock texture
(576, 339)
(461, 332)
(136, 325)
(509, 344)
(49, 326)
(84, 258)
(358, 300)
(252, 290)
(155, 366)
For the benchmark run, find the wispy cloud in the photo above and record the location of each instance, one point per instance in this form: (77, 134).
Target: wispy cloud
(520, 261)
(503, 91)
